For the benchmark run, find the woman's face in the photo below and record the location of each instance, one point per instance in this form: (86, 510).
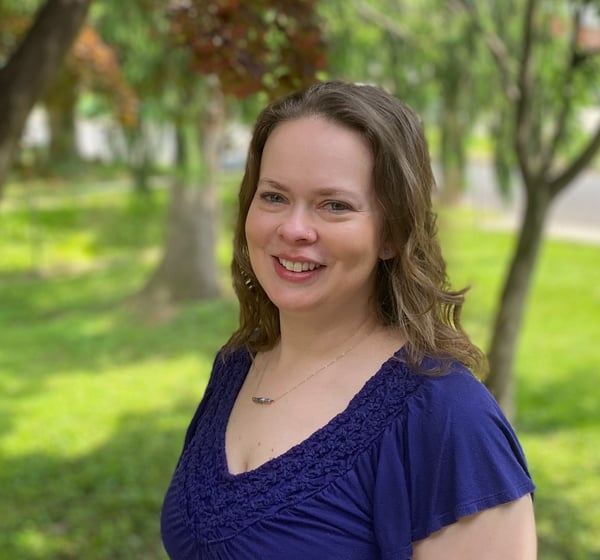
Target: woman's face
(313, 228)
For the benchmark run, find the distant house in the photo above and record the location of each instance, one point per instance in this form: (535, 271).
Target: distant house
(588, 34)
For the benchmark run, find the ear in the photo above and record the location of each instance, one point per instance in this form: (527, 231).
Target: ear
(386, 253)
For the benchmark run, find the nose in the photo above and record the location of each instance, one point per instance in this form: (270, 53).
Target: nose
(297, 227)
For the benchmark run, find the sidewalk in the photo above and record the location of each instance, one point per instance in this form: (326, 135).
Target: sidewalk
(573, 216)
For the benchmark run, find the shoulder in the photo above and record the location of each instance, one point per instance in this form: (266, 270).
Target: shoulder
(230, 356)
(427, 413)
(408, 393)
(456, 391)
(228, 371)
(455, 409)
(453, 451)
(229, 363)
(452, 423)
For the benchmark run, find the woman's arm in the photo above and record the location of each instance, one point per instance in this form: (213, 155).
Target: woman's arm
(505, 532)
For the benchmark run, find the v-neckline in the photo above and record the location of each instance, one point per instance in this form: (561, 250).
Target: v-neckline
(271, 464)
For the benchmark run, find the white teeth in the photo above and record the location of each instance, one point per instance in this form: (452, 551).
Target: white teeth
(298, 266)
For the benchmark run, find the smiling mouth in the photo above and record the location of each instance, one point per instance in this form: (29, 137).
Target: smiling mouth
(293, 266)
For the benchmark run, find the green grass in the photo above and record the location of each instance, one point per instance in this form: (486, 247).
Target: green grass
(94, 400)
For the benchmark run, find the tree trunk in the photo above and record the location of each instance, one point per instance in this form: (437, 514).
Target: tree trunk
(29, 70)
(452, 154)
(188, 269)
(139, 155)
(61, 102)
(454, 81)
(509, 316)
(503, 156)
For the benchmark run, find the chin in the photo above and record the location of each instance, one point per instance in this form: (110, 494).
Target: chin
(293, 305)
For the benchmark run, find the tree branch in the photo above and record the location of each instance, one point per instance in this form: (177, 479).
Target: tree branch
(497, 48)
(524, 124)
(572, 63)
(578, 164)
(381, 20)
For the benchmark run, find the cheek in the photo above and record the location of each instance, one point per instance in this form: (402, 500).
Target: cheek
(252, 226)
(257, 234)
(360, 243)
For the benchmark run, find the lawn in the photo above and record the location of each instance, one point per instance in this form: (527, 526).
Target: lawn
(95, 398)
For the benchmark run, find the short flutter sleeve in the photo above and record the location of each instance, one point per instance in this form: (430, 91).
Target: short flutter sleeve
(452, 453)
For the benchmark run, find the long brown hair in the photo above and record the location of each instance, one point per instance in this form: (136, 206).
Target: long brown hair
(412, 290)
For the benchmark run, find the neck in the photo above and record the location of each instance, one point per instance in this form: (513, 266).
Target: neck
(322, 335)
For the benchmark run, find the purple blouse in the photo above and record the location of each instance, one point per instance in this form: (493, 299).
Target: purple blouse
(410, 454)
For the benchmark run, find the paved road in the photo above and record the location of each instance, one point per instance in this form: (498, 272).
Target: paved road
(575, 213)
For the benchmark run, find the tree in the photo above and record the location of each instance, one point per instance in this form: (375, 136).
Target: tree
(140, 35)
(260, 45)
(551, 74)
(29, 70)
(91, 66)
(424, 56)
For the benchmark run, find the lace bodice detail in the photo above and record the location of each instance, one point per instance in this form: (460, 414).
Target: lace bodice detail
(216, 503)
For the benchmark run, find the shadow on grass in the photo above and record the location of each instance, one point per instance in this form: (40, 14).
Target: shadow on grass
(111, 223)
(84, 320)
(562, 416)
(35, 298)
(103, 505)
(564, 529)
(81, 325)
(572, 401)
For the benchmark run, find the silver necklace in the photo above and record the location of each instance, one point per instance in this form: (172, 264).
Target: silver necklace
(271, 400)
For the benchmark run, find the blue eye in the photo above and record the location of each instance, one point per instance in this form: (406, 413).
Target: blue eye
(272, 197)
(337, 206)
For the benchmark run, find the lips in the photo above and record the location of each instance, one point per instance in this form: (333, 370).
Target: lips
(298, 266)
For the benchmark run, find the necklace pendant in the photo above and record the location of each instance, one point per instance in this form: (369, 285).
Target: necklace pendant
(262, 400)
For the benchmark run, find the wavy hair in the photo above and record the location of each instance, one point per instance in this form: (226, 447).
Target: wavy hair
(412, 289)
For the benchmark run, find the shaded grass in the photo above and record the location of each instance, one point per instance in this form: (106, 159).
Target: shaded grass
(92, 411)
(94, 400)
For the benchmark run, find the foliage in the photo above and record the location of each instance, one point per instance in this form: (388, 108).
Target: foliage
(98, 69)
(428, 55)
(139, 34)
(387, 46)
(272, 45)
(548, 74)
(94, 402)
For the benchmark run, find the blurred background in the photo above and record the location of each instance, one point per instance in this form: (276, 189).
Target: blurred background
(123, 133)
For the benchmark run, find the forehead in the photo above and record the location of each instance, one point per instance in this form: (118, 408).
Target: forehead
(317, 128)
(314, 148)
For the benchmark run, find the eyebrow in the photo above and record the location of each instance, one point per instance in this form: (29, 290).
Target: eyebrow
(324, 191)
(272, 183)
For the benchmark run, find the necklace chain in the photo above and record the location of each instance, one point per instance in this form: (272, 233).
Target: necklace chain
(269, 400)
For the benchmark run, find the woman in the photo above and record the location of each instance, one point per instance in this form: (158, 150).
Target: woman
(341, 420)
